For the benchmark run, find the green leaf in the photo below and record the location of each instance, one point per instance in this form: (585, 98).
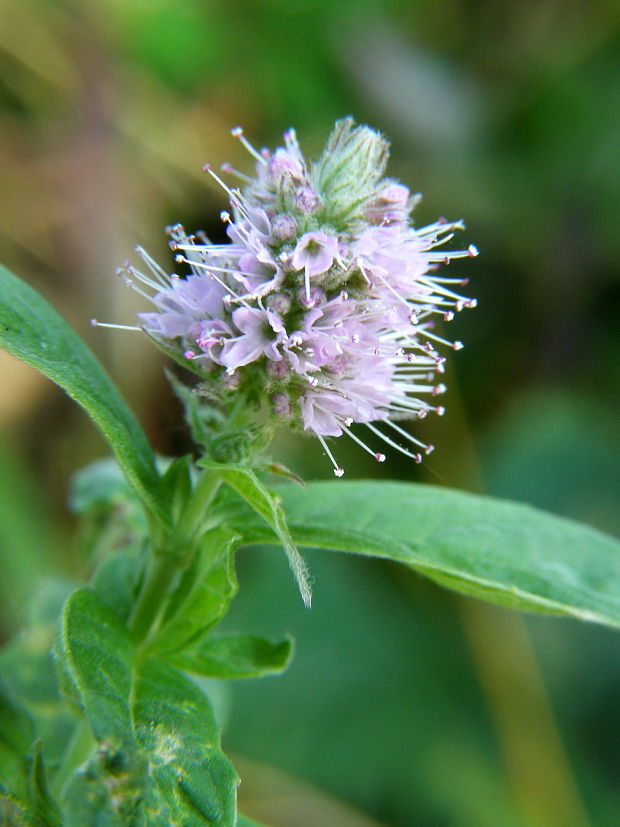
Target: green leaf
(27, 668)
(107, 790)
(204, 593)
(47, 814)
(267, 506)
(34, 332)
(177, 485)
(504, 552)
(117, 579)
(99, 655)
(235, 656)
(16, 736)
(111, 515)
(195, 782)
(109, 786)
(22, 770)
(159, 760)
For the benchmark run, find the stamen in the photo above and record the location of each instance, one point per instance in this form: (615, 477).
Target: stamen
(158, 271)
(237, 132)
(230, 170)
(415, 457)
(338, 471)
(232, 194)
(410, 437)
(96, 323)
(377, 456)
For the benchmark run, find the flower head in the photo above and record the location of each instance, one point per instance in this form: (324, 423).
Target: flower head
(323, 303)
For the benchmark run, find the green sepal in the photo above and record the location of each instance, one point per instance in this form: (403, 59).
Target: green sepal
(234, 656)
(349, 173)
(203, 595)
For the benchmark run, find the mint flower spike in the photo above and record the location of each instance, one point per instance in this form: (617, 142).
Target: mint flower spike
(320, 310)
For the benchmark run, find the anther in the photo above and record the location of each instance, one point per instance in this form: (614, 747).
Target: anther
(380, 457)
(189, 354)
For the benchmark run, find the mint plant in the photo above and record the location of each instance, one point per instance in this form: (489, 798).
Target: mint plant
(319, 315)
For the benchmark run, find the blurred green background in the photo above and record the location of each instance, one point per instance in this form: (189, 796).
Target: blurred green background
(406, 705)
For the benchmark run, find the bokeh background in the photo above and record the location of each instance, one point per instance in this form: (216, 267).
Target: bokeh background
(406, 706)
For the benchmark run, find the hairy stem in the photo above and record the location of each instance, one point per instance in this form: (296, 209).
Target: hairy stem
(173, 557)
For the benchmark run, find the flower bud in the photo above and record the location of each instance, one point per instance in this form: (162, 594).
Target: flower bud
(316, 296)
(284, 165)
(307, 200)
(279, 303)
(279, 370)
(283, 227)
(281, 405)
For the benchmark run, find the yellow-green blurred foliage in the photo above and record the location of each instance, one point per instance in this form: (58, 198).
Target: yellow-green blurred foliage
(404, 702)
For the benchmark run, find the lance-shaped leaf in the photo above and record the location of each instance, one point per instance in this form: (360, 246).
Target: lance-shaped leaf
(267, 506)
(34, 332)
(235, 656)
(504, 552)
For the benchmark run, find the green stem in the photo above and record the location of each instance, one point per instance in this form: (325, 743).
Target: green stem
(166, 563)
(147, 610)
(193, 519)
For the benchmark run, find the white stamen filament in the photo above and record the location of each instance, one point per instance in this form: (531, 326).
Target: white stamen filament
(338, 471)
